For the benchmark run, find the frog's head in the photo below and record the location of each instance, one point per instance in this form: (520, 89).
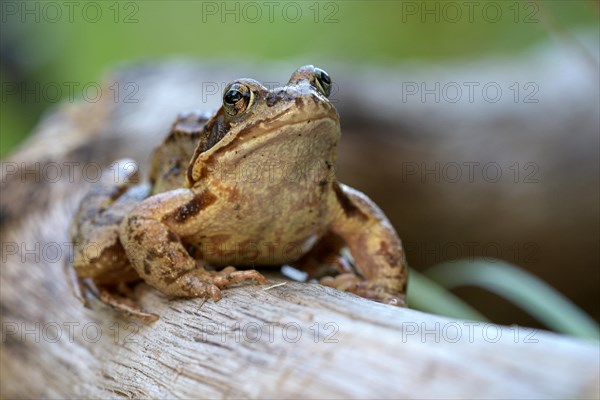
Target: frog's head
(276, 125)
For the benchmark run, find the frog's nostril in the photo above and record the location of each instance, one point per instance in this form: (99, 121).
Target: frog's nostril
(271, 99)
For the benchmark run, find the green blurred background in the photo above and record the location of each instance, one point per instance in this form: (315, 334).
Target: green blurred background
(46, 42)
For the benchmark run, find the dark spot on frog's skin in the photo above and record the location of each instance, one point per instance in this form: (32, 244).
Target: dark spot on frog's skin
(237, 207)
(151, 256)
(323, 185)
(194, 251)
(171, 237)
(169, 279)
(203, 173)
(192, 207)
(137, 237)
(389, 256)
(147, 267)
(344, 201)
(187, 210)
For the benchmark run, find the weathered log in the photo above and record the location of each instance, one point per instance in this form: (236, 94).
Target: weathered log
(281, 340)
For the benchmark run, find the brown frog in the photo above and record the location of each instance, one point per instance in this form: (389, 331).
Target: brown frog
(253, 185)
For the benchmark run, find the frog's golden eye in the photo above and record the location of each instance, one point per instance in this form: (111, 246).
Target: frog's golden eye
(237, 98)
(323, 81)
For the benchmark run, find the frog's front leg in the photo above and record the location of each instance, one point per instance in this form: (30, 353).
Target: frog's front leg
(377, 251)
(153, 236)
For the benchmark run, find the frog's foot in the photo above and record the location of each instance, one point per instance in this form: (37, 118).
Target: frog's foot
(333, 265)
(126, 306)
(325, 259)
(120, 303)
(352, 283)
(202, 283)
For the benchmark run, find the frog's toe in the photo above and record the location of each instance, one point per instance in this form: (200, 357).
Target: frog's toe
(214, 293)
(201, 283)
(126, 306)
(230, 275)
(197, 283)
(364, 288)
(344, 282)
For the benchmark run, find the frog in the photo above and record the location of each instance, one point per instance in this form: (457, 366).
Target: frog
(252, 185)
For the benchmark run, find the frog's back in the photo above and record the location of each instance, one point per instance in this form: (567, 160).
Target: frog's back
(170, 159)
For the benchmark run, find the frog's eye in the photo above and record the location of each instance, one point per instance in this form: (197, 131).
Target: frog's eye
(237, 98)
(323, 81)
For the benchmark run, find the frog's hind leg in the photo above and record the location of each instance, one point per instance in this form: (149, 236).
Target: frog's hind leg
(125, 305)
(378, 270)
(99, 260)
(97, 250)
(120, 303)
(83, 288)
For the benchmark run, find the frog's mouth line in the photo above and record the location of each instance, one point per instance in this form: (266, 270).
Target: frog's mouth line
(330, 114)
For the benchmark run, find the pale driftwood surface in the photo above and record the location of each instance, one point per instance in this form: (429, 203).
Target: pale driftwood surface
(366, 351)
(52, 347)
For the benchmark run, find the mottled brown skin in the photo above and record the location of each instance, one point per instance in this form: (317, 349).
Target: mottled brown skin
(260, 190)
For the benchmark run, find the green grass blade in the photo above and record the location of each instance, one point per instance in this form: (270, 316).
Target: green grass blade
(521, 288)
(426, 295)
